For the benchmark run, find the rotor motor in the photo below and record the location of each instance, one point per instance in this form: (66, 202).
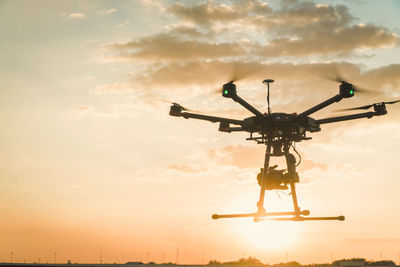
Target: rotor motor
(229, 90)
(346, 89)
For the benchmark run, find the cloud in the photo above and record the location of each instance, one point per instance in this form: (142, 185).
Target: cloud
(77, 15)
(110, 11)
(344, 41)
(81, 111)
(294, 43)
(311, 165)
(168, 47)
(185, 168)
(112, 88)
(239, 156)
(386, 76)
(294, 29)
(297, 86)
(111, 111)
(208, 12)
(294, 78)
(122, 25)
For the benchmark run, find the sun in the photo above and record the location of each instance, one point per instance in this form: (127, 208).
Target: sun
(267, 234)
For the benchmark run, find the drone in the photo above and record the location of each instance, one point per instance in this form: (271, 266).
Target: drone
(279, 132)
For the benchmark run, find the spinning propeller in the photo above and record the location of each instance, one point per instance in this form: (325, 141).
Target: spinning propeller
(371, 105)
(340, 79)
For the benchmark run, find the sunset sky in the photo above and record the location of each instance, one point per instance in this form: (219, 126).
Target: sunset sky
(91, 163)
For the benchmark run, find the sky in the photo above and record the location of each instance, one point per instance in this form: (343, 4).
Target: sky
(91, 164)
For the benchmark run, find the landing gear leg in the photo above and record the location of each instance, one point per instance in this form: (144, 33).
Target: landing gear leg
(260, 203)
(291, 166)
(293, 179)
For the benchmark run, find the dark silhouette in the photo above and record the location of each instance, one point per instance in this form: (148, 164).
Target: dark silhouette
(280, 132)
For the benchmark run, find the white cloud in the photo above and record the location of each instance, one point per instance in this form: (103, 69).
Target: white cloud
(126, 22)
(110, 11)
(77, 15)
(116, 88)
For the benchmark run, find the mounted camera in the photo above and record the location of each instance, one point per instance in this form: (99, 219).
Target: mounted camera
(277, 179)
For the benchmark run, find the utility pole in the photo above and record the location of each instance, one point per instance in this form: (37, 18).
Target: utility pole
(55, 257)
(177, 255)
(11, 257)
(163, 258)
(101, 257)
(147, 257)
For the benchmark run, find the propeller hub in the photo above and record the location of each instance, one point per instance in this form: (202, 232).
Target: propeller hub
(346, 89)
(175, 110)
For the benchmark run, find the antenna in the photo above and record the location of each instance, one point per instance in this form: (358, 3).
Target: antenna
(267, 82)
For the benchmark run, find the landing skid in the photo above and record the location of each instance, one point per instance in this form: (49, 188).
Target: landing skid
(297, 215)
(257, 217)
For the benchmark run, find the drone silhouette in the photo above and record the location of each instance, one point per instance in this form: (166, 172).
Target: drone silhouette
(279, 132)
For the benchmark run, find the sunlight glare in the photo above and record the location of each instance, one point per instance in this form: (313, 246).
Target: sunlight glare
(267, 234)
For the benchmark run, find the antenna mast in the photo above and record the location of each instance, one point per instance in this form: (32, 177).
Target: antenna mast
(267, 82)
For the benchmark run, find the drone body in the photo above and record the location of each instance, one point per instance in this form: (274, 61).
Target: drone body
(279, 132)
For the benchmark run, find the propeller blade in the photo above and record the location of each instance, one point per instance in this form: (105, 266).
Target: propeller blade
(237, 73)
(334, 78)
(363, 90)
(392, 102)
(356, 108)
(337, 77)
(217, 91)
(369, 106)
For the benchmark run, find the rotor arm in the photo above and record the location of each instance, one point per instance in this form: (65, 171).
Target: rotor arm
(247, 106)
(235, 129)
(349, 117)
(324, 104)
(224, 127)
(188, 115)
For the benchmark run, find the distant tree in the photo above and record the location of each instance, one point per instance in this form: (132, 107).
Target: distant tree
(382, 263)
(359, 260)
(242, 261)
(249, 261)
